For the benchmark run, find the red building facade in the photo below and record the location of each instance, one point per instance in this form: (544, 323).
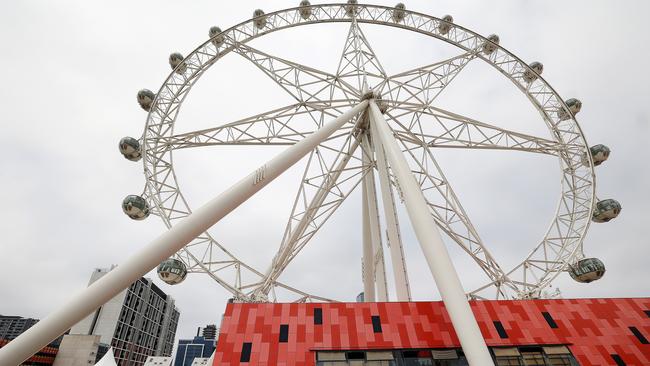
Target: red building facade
(530, 332)
(44, 357)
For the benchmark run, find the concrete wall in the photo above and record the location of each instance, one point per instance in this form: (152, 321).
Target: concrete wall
(77, 350)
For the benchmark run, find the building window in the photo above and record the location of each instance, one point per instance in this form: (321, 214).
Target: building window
(619, 361)
(638, 335)
(500, 329)
(417, 358)
(547, 356)
(376, 324)
(246, 352)
(549, 319)
(318, 316)
(284, 333)
(532, 356)
(507, 356)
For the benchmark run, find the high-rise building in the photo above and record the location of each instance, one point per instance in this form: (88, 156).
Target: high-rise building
(210, 331)
(139, 322)
(189, 349)
(12, 326)
(44, 357)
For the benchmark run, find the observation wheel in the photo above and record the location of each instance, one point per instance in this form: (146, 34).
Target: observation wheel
(352, 157)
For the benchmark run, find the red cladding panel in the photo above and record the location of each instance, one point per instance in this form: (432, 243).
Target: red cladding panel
(594, 329)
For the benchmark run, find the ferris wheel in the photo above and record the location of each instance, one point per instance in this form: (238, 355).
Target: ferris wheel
(367, 152)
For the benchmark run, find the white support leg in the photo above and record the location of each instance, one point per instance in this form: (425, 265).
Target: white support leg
(402, 287)
(368, 259)
(95, 295)
(433, 248)
(375, 227)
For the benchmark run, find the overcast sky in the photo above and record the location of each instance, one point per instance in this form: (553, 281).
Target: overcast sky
(72, 70)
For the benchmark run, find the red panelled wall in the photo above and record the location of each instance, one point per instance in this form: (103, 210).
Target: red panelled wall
(593, 328)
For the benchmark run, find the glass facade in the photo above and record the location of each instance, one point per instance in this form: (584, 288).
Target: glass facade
(189, 349)
(510, 356)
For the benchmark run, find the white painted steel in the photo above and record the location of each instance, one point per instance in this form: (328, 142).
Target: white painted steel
(89, 299)
(433, 248)
(367, 259)
(375, 229)
(400, 274)
(410, 97)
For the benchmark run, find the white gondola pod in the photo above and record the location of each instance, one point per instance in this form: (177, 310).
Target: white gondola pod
(216, 37)
(146, 98)
(176, 62)
(305, 9)
(599, 153)
(491, 44)
(172, 271)
(135, 207)
(260, 18)
(399, 13)
(351, 8)
(606, 210)
(445, 24)
(534, 71)
(130, 148)
(575, 105)
(587, 270)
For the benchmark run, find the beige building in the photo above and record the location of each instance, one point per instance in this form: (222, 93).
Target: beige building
(77, 350)
(137, 323)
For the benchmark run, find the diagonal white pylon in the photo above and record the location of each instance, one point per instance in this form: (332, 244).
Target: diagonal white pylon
(328, 179)
(448, 211)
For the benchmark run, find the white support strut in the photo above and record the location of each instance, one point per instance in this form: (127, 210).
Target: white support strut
(375, 229)
(161, 248)
(400, 274)
(433, 248)
(367, 253)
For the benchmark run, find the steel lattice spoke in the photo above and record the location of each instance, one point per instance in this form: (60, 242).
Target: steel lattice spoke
(304, 83)
(282, 126)
(420, 86)
(423, 85)
(327, 181)
(437, 127)
(358, 64)
(448, 212)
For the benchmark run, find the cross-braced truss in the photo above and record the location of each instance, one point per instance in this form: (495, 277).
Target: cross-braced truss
(336, 167)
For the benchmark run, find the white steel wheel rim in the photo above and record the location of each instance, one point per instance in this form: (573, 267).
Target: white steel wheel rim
(562, 243)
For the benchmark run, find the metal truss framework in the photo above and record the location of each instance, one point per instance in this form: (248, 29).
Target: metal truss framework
(336, 167)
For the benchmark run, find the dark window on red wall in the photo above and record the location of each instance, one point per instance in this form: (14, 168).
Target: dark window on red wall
(318, 316)
(284, 333)
(639, 336)
(619, 361)
(647, 313)
(499, 327)
(549, 319)
(376, 324)
(246, 352)
(356, 355)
